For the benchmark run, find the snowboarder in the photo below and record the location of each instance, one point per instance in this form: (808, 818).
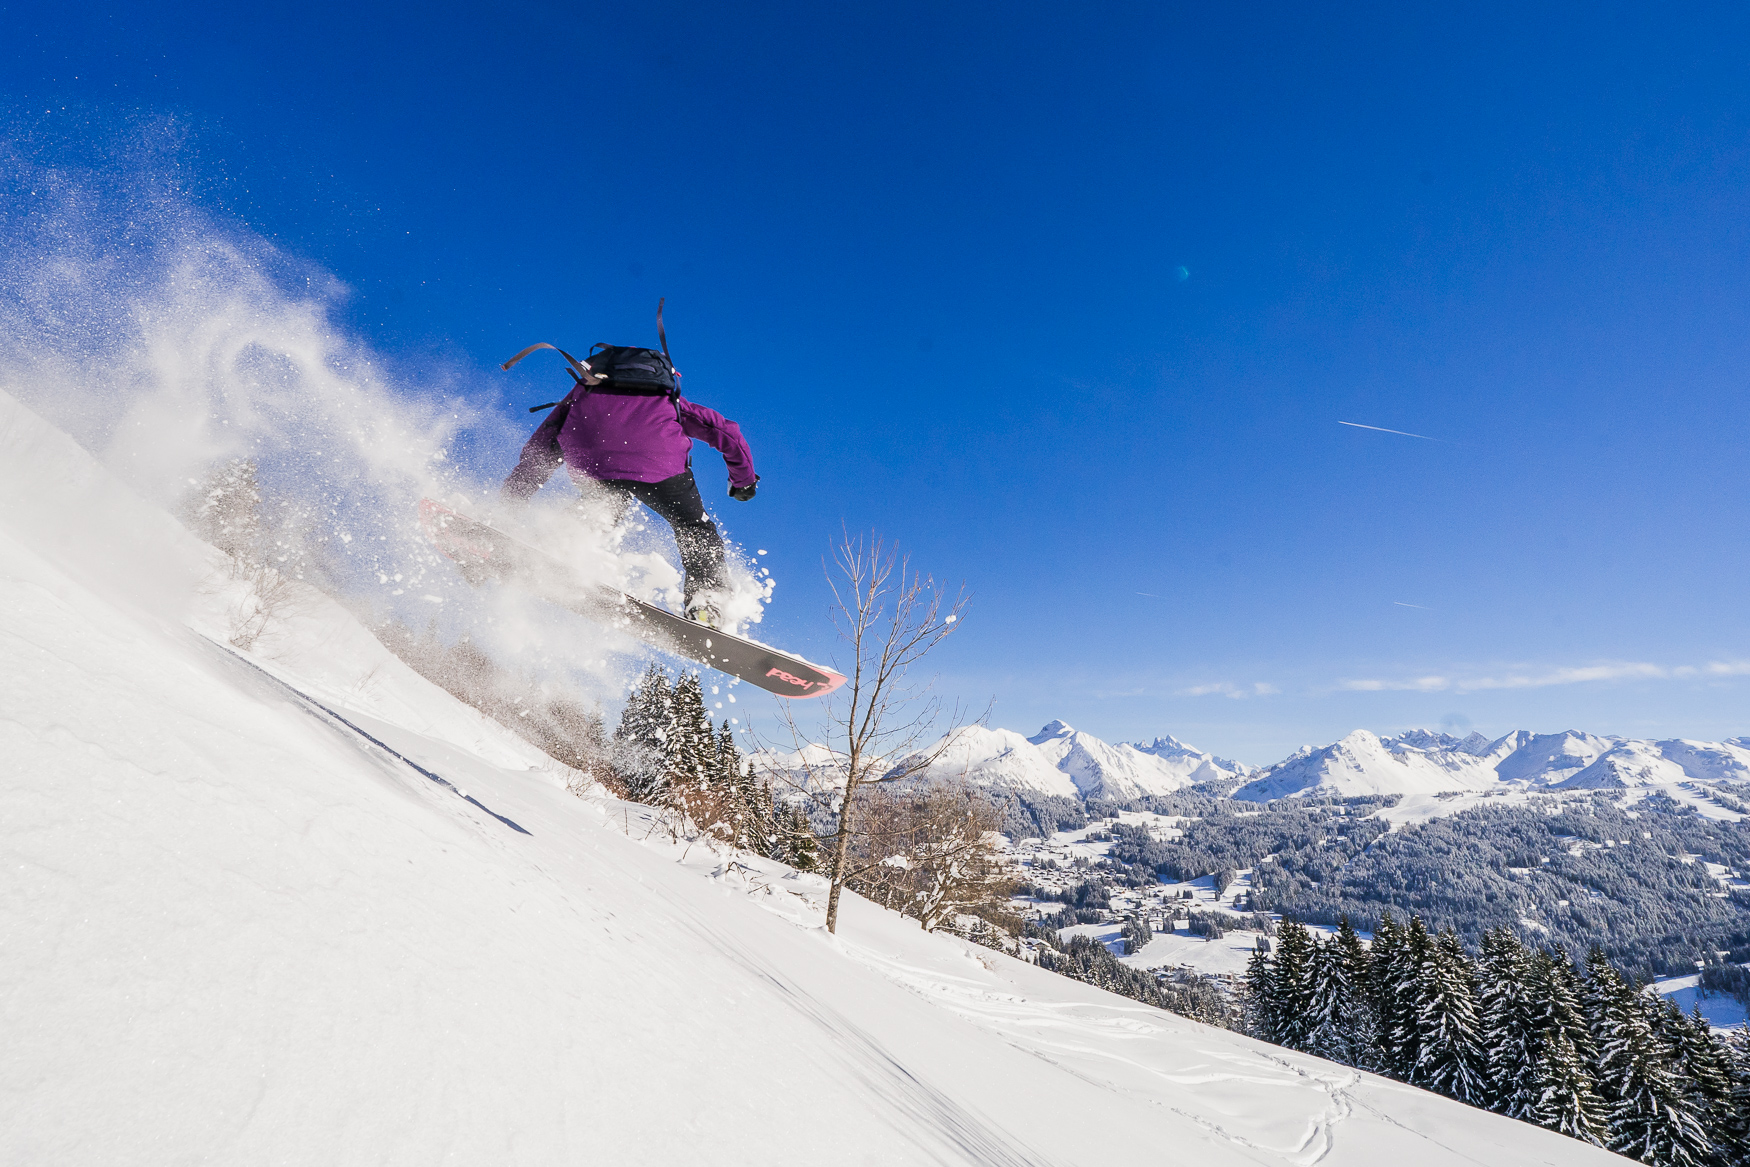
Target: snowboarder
(625, 428)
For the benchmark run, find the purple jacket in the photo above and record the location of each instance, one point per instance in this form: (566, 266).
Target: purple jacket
(612, 436)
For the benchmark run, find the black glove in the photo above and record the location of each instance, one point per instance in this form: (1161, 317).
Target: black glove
(743, 493)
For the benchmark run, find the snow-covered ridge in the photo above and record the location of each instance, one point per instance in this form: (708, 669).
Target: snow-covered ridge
(1422, 762)
(1062, 761)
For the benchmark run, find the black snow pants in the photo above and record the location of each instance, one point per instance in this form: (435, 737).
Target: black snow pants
(677, 500)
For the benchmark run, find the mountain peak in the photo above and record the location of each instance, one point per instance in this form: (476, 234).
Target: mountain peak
(1052, 729)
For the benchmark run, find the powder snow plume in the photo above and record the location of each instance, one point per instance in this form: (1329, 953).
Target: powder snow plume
(170, 342)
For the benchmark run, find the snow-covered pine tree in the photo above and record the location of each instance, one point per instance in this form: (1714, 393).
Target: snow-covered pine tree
(1258, 996)
(1292, 984)
(1388, 1005)
(1359, 1022)
(1511, 1039)
(1567, 1103)
(1450, 1060)
(1333, 1032)
(227, 513)
(692, 750)
(1600, 993)
(1567, 1060)
(769, 817)
(640, 749)
(801, 849)
(1651, 1116)
(746, 819)
(1703, 1064)
(1738, 1117)
(1406, 993)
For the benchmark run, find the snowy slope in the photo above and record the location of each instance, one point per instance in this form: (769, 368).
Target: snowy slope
(1362, 763)
(1727, 761)
(236, 932)
(1100, 770)
(1195, 764)
(1001, 759)
(1630, 764)
(1064, 762)
(1545, 758)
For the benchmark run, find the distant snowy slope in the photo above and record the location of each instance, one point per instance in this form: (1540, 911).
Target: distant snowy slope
(1195, 764)
(1727, 761)
(1362, 763)
(1100, 770)
(1640, 763)
(1064, 762)
(1420, 762)
(1001, 759)
(1545, 758)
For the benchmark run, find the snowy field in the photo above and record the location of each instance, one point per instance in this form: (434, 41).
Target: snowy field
(239, 932)
(1722, 1012)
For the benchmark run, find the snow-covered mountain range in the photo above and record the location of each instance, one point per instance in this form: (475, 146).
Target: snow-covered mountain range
(1063, 761)
(1421, 762)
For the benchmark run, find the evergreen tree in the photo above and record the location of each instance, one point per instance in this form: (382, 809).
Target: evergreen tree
(1568, 1101)
(1703, 1063)
(800, 848)
(1736, 1127)
(1405, 978)
(755, 798)
(768, 829)
(1387, 1003)
(1511, 1039)
(640, 749)
(740, 817)
(1338, 1028)
(1450, 1059)
(1292, 983)
(1258, 996)
(691, 747)
(1359, 1022)
(1651, 1116)
(227, 513)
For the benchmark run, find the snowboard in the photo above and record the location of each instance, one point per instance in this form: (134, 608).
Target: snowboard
(483, 554)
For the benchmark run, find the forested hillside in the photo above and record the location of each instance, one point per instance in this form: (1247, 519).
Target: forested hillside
(1572, 870)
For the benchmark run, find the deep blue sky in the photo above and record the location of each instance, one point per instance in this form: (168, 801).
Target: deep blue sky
(1070, 299)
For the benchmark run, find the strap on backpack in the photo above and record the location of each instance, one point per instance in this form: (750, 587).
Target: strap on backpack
(674, 395)
(579, 372)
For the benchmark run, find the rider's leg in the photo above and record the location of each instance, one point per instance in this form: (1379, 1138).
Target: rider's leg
(677, 500)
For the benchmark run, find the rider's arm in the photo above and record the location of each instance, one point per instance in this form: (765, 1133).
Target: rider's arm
(541, 454)
(724, 436)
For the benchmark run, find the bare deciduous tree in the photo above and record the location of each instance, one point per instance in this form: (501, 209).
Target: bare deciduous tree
(876, 725)
(929, 852)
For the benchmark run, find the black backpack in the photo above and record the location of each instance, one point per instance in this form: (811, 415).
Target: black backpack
(618, 369)
(634, 372)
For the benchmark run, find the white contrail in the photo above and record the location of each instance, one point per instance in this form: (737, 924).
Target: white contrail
(1401, 604)
(1383, 430)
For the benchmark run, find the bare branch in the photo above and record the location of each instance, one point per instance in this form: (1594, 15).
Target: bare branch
(889, 617)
